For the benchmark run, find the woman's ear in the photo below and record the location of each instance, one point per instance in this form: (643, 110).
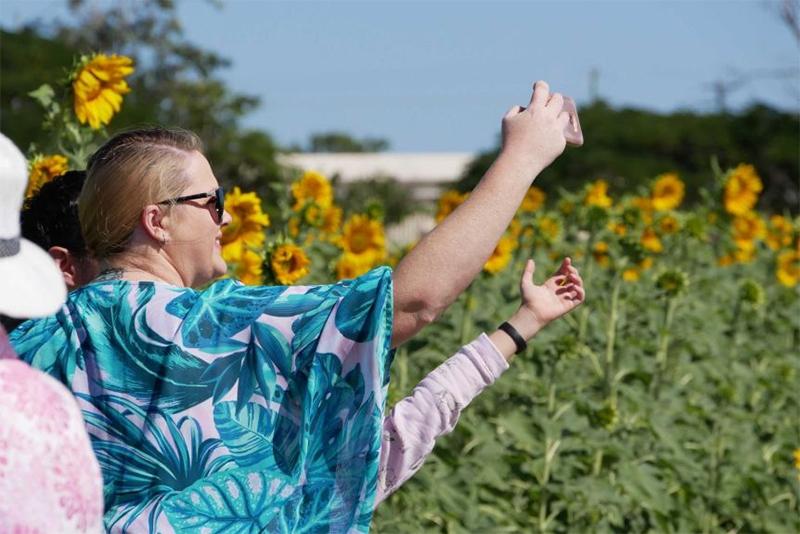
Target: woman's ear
(67, 265)
(154, 222)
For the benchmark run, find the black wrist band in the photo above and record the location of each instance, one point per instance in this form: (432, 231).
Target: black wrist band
(519, 341)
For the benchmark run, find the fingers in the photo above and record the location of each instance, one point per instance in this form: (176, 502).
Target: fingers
(526, 282)
(567, 267)
(572, 291)
(576, 294)
(564, 268)
(516, 110)
(530, 268)
(567, 283)
(563, 120)
(541, 94)
(555, 102)
(568, 278)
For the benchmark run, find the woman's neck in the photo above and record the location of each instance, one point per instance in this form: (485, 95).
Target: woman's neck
(139, 268)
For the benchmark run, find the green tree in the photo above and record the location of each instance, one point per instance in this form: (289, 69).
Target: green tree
(391, 196)
(343, 142)
(176, 83)
(27, 60)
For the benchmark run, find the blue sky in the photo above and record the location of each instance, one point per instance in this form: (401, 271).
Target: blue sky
(437, 76)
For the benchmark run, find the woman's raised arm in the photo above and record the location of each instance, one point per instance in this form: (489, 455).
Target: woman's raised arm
(447, 259)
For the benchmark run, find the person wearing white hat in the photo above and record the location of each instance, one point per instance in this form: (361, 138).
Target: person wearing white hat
(30, 283)
(49, 477)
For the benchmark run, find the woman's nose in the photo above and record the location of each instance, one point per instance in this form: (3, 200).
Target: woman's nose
(226, 218)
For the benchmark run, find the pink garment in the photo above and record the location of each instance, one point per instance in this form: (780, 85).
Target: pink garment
(6, 351)
(411, 429)
(49, 478)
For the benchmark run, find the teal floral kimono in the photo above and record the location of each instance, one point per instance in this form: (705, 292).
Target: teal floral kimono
(232, 409)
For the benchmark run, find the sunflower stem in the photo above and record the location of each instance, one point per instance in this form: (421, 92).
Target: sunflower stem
(466, 316)
(611, 333)
(402, 364)
(584, 313)
(734, 326)
(598, 462)
(663, 346)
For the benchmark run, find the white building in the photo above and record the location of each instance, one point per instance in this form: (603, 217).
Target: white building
(426, 174)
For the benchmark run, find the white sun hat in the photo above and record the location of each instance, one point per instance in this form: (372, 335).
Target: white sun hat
(31, 285)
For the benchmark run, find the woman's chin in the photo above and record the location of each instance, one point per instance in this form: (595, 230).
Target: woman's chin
(220, 267)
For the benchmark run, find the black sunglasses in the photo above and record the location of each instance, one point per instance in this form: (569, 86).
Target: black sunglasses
(219, 200)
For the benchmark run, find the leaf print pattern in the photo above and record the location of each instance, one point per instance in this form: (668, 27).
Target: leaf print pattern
(236, 408)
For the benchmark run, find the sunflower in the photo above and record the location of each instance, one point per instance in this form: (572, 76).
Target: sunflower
(549, 227)
(650, 241)
(796, 456)
(312, 214)
(645, 207)
(331, 220)
(668, 224)
(232, 252)
(618, 228)
(42, 170)
(633, 274)
(726, 260)
(515, 228)
(747, 229)
(742, 189)
(501, 256)
(597, 195)
(566, 207)
(780, 231)
(312, 187)
(293, 226)
(672, 282)
(247, 220)
(600, 254)
(362, 234)
(98, 85)
(250, 268)
(534, 199)
(788, 268)
(352, 265)
(245, 263)
(289, 263)
(667, 193)
(448, 202)
(745, 253)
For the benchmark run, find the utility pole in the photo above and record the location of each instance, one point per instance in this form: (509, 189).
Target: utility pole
(594, 84)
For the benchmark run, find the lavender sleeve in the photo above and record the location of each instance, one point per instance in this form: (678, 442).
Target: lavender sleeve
(412, 427)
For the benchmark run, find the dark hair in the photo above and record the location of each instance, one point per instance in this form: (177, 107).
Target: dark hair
(50, 217)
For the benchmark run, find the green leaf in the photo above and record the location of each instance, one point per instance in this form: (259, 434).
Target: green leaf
(44, 95)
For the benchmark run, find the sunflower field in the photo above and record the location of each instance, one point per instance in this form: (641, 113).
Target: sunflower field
(668, 402)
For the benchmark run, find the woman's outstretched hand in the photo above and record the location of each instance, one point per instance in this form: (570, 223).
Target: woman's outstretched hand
(541, 304)
(535, 135)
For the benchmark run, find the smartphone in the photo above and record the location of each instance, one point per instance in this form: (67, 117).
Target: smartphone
(572, 132)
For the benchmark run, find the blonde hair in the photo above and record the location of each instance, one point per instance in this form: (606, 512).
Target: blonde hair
(130, 171)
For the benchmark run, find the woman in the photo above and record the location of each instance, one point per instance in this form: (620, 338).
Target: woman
(249, 407)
